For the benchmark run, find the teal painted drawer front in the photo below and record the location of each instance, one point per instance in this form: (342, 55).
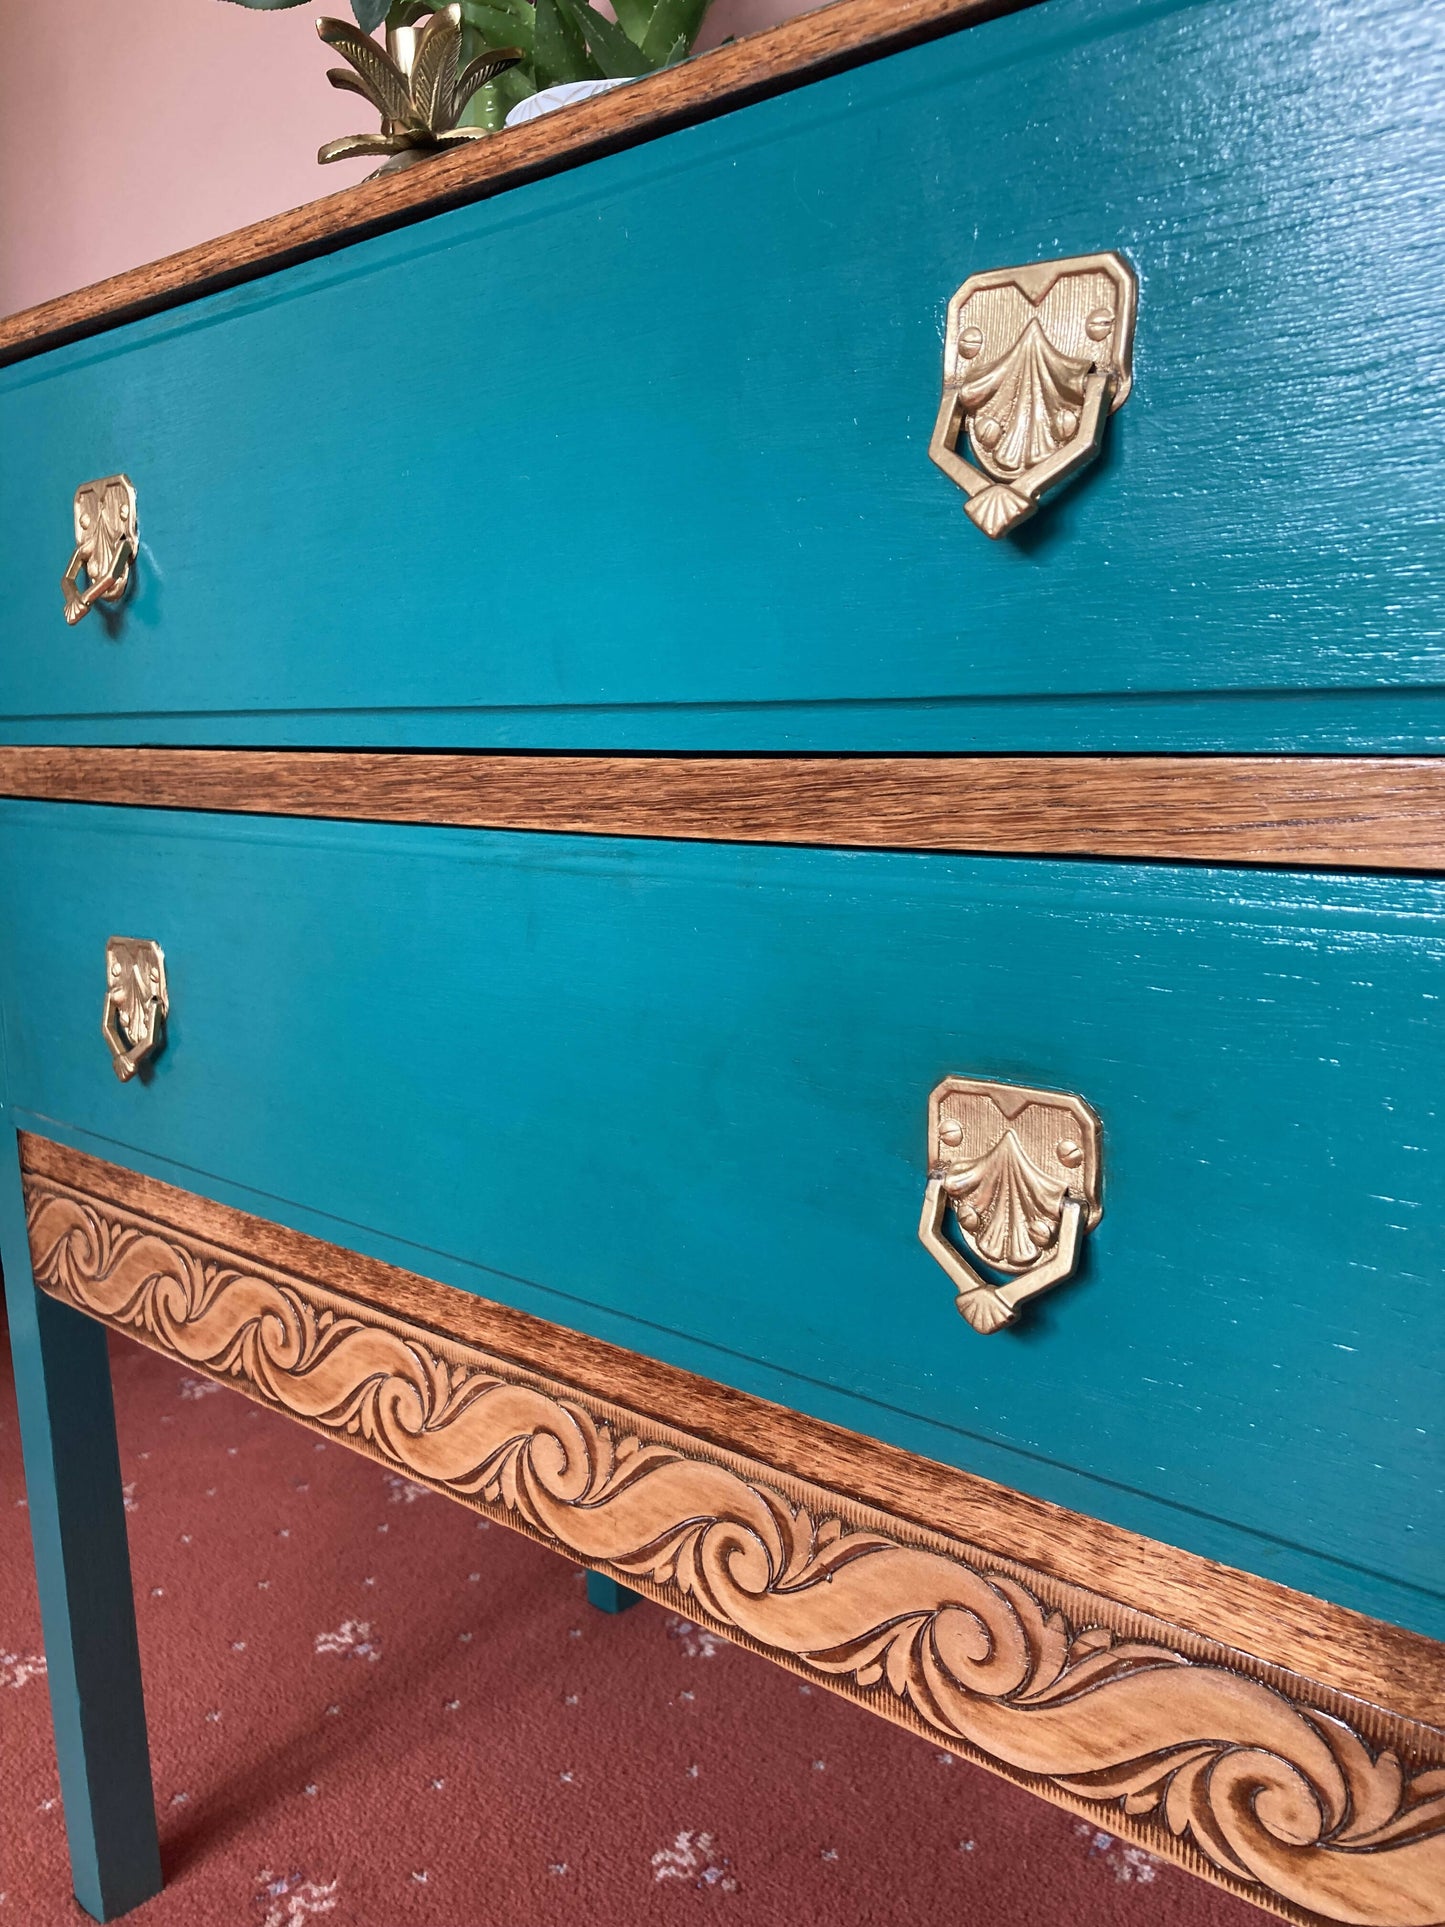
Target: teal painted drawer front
(637, 455)
(676, 1097)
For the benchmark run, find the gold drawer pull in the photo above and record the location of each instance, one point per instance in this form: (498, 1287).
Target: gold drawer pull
(137, 1002)
(106, 534)
(1021, 1171)
(1035, 361)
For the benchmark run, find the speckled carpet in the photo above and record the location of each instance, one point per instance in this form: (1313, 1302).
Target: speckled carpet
(367, 1705)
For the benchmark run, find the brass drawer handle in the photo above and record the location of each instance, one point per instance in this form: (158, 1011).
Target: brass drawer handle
(1035, 361)
(137, 1002)
(106, 534)
(1021, 1171)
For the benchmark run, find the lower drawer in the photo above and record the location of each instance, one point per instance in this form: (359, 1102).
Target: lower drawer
(676, 1096)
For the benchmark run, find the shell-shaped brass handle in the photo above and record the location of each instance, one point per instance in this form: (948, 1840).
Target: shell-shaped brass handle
(106, 538)
(1035, 360)
(1020, 1170)
(137, 1002)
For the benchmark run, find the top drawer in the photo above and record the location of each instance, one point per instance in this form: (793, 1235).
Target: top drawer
(636, 456)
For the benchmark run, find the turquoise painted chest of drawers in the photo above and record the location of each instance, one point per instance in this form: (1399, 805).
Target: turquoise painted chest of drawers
(562, 1075)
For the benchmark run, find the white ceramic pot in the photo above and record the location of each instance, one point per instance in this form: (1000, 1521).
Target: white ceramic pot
(551, 98)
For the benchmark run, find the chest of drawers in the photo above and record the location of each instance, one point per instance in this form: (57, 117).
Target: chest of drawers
(603, 843)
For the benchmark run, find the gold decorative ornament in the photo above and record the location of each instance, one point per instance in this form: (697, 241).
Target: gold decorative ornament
(1020, 1170)
(1293, 1796)
(137, 1002)
(1035, 360)
(106, 535)
(415, 83)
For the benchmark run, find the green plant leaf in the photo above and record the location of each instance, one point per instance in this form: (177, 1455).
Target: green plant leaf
(559, 52)
(369, 14)
(673, 21)
(484, 27)
(617, 56)
(490, 105)
(634, 17)
(478, 72)
(497, 23)
(658, 26)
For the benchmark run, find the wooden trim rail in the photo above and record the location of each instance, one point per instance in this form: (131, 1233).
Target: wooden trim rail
(1263, 1739)
(1366, 813)
(807, 48)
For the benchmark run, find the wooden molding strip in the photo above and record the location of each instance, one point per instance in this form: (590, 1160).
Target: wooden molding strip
(1367, 813)
(807, 48)
(911, 1589)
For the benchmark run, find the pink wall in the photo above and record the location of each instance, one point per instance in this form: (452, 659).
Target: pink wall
(131, 128)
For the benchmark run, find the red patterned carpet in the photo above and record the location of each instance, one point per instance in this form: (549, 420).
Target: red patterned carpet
(366, 1705)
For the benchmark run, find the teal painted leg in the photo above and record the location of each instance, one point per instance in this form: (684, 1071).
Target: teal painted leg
(77, 1524)
(609, 1595)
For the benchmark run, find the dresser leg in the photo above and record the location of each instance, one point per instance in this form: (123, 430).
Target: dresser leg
(82, 1564)
(609, 1595)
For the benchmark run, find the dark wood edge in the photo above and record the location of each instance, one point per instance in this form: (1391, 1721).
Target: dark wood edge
(1345, 1652)
(810, 47)
(1360, 813)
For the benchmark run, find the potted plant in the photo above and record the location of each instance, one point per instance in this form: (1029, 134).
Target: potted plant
(450, 74)
(570, 49)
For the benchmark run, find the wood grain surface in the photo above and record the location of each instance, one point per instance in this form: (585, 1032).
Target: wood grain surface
(826, 41)
(1367, 813)
(1345, 1652)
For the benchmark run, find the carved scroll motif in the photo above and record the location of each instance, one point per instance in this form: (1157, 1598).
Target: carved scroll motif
(1275, 1797)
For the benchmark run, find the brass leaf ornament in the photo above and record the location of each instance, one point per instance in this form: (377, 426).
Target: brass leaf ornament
(1010, 1207)
(416, 83)
(137, 1002)
(1019, 1171)
(1035, 360)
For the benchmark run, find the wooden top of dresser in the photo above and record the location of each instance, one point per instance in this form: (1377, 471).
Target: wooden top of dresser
(809, 47)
